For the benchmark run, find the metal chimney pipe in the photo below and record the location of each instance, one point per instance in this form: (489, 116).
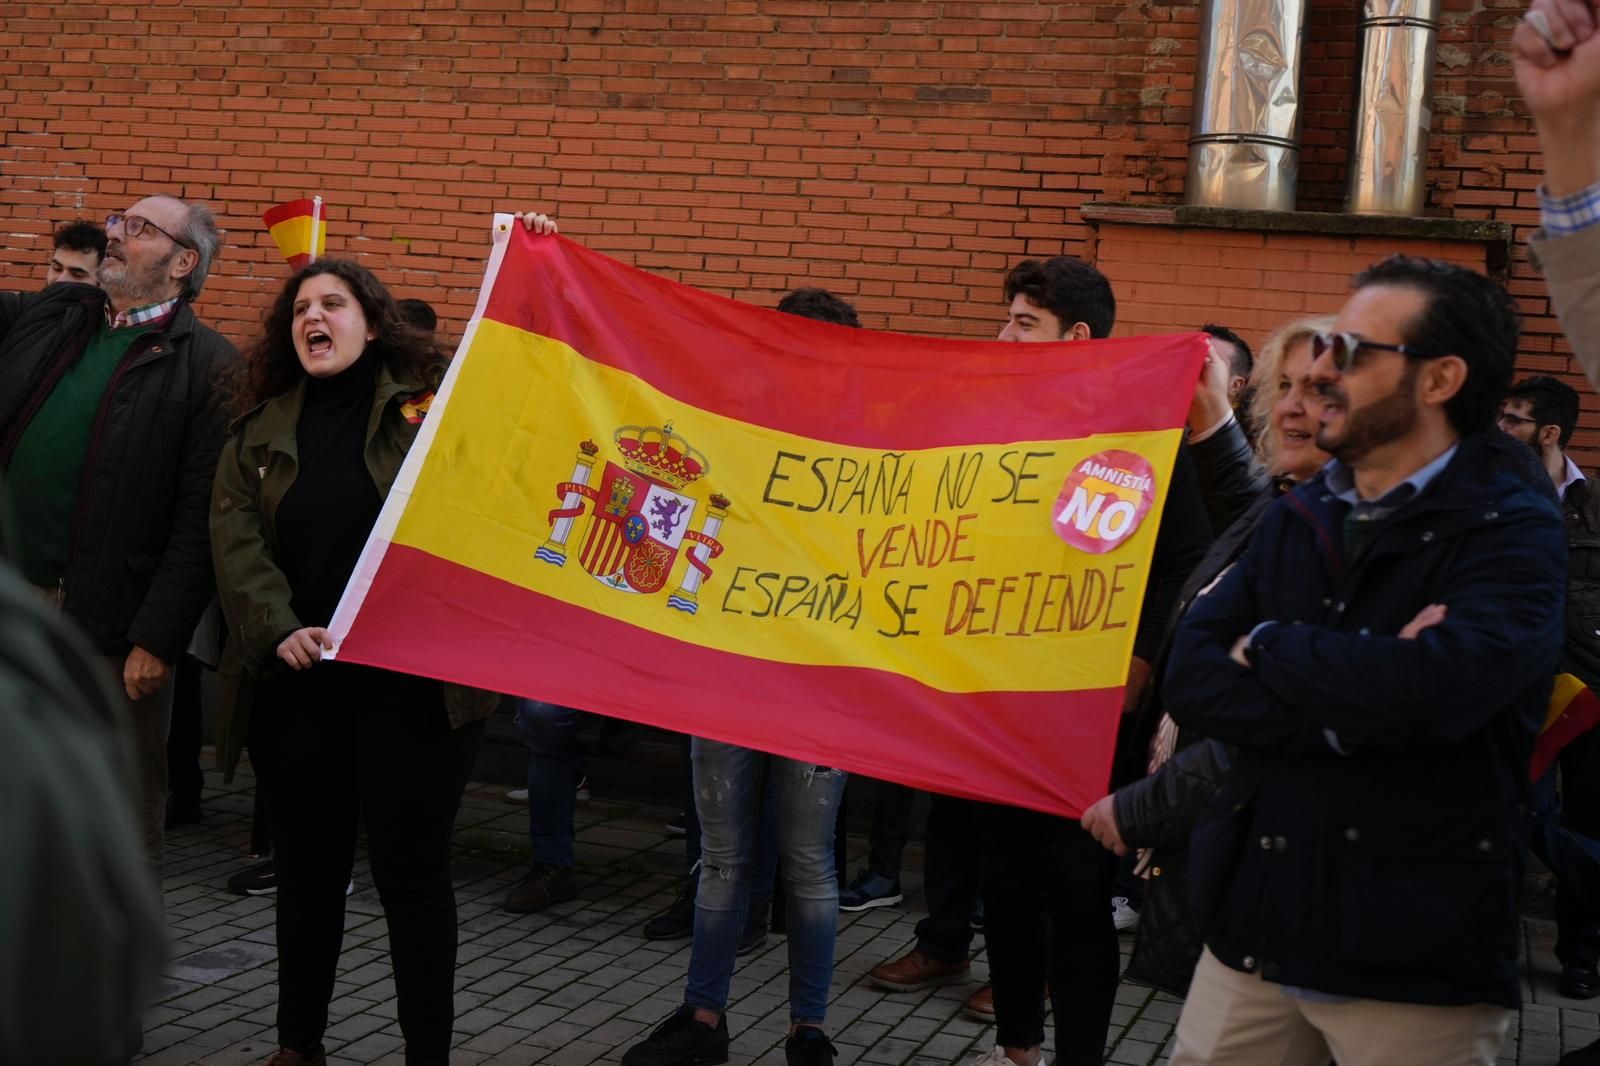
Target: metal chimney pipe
(1389, 145)
(1244, 147)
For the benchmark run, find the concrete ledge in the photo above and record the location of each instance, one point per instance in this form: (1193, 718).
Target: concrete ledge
(1495, 236)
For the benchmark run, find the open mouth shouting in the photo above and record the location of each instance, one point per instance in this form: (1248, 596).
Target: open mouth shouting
(330, 330)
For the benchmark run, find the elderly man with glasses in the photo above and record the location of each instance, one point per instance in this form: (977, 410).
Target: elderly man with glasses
(110, 426)
(1381, 657)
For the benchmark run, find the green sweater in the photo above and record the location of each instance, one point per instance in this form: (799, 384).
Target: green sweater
(47, 468)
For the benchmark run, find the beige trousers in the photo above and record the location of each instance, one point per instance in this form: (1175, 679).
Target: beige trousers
(1238, 1019)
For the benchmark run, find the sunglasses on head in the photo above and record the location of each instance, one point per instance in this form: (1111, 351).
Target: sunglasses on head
(1344, 348)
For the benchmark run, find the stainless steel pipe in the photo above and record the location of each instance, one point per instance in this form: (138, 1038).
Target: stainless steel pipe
(1244, 147)
(1393, 115)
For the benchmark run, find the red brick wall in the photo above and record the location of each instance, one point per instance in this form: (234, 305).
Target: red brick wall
(899, 152)
(1194, 276)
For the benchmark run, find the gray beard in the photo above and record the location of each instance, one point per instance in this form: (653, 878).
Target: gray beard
(130, 290)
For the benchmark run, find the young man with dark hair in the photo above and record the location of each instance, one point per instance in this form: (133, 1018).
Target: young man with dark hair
(1057, 299)
(1045, 883)
(1220, 428)
(1542, 413)
(1382, 653)
(1230, 346)
(821, 305)
(79, 247)
(419, 313)
(1046, 888)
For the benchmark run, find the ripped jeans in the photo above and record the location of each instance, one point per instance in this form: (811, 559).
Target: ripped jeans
(727, 788)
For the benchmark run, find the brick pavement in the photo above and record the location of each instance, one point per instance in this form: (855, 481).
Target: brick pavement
(577, 984)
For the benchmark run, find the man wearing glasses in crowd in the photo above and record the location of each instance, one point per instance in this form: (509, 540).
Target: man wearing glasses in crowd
(110, 425)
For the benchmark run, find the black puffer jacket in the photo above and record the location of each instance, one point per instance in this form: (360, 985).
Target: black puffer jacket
(139, 566)
(1160, 810)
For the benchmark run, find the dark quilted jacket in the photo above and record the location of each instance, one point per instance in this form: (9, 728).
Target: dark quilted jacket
(139, 567)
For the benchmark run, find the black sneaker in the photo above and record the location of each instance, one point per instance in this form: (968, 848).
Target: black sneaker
(809, 1046)
(677, 921)
(681, 1041)
(677, 826)
(259, 880)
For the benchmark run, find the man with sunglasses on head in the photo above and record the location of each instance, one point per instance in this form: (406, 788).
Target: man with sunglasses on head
(1381, 656)
(110, 426)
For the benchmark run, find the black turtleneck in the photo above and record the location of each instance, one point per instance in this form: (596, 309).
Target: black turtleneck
(324, 518)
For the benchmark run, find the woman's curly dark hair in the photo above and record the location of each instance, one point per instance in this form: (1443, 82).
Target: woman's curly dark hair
(269, 366)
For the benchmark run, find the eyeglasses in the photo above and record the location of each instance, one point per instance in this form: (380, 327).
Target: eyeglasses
(1515, 420)
(133, 225)
(1346, 346)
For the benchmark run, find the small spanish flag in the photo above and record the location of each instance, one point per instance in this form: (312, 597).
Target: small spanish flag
(1574, 710)
(299, 229)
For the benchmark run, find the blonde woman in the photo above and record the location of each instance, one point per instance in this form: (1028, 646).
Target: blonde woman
(1155, 813)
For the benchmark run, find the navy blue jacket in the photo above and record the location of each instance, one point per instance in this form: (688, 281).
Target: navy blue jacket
(1390, 872)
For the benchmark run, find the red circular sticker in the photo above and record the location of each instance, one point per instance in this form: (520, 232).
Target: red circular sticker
(1104, 500)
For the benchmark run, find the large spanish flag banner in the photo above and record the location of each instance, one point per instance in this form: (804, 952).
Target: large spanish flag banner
(912, 558)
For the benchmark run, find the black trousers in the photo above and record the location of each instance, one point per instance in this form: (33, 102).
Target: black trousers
(1577, 934)
(341, 741)
(891, 827)
(185, 779)
(950, 879)
(1047, 907)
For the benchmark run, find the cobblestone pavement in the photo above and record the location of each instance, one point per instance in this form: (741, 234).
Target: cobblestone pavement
(578, 984)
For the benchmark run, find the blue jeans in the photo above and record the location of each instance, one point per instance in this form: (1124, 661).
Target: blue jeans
(555, 767)
(765, 874)
(728, 786)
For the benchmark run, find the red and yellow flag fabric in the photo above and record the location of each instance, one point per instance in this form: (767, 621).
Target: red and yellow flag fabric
(913, 558)
(299, 230)
(1574, 710)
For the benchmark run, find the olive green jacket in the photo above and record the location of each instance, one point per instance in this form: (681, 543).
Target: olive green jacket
(257, 467)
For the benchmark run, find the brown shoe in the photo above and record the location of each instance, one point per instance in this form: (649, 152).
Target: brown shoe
(917, 970)
(543, 886)
(980, 1004)
(285, 1057)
